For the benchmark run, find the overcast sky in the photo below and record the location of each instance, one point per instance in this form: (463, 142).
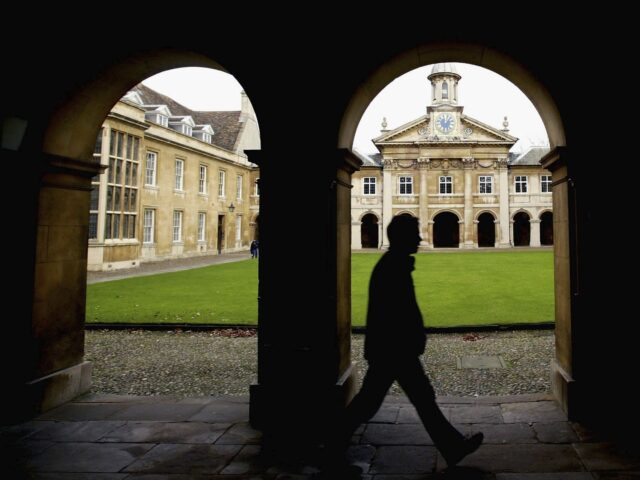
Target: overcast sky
(485, 95)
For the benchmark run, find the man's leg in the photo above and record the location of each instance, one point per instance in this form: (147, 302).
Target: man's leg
(413, 380)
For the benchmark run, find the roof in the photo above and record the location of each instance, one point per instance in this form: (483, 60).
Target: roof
(529, 158)
(369, 160)
(226, 124)
(445, 67)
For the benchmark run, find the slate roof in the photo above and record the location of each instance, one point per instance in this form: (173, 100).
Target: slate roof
(369, 160)
(529, 158)
(226, 125)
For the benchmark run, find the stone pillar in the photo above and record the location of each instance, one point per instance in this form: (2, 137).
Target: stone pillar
(511, 233)
(387, 199)
(506, 229)
(534, 239)
(430, 233)
(469, 225)
(423, 207)
(356, 235)
(461, 230)
(304, 364)
(58, 372)
(563, 383)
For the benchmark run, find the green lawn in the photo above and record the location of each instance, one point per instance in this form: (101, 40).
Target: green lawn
(453, 289)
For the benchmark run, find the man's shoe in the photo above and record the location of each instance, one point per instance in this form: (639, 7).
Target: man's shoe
(469, 445)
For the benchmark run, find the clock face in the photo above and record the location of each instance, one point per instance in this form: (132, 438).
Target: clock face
(445, 122)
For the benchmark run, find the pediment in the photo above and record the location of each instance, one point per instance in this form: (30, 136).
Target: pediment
(409, 132)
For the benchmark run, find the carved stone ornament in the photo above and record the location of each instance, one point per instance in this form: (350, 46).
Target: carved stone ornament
(406, 163)
(485, 163)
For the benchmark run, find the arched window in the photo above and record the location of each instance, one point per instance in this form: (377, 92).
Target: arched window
(445, 91)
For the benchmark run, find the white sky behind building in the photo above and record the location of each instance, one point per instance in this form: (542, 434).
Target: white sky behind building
(485, 95)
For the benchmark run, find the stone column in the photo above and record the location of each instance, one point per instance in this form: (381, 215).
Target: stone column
(461, 230)
(506, 229)
(59, 372)
(511, 243)
(356, 235)
(467, 240)
(423, 165)
(430, 233)
(304, 341)
(387, 199)
(534, 238)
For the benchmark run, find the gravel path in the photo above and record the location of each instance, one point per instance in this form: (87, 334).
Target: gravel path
(186, 363)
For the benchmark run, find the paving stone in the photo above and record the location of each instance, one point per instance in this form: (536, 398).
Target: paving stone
(496, 433)
(616, 475)
(158, 412)
(361, 456)
(481, 361)
(392, 434)
(405, 459)
(193, 459)
(240, 434)
(524, 458)
(545, 476)
(219, 412)
(82, 476)
(607, 456)
(248, 461)
(555, 432)
(164, 432)
(79, 412)
(476, 414)
(386, 414)
(14, 433)
(88, 457)
(76, 431)
(408, 414)
(543, 412)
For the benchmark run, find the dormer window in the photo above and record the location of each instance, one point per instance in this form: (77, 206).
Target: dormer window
(182, 124)
(157, 114)
(206, 137)
(186, 129)
(162, 120)
(203, 132)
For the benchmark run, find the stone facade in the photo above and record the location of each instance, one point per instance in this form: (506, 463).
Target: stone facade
(457, 176)
(167, 192)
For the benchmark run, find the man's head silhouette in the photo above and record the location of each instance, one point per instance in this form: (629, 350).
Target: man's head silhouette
(404, 234)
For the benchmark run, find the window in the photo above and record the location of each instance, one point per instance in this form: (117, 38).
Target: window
(122, 186)
(163, 120)
(202, 185)
(179, 175)
(545, 184)
(95, 190)
(445, 91)
(148, 234)
(202, 224)
(406, 185)
(150, 171)
(257, 187)
(177, 226)
(239, 187)
(446, 185)
(238, 228)
(369, 185)
(521, 183)
(206, 137)
(486, 184)
(221, 180)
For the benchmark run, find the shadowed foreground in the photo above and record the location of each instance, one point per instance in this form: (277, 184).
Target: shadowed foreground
(123, 437)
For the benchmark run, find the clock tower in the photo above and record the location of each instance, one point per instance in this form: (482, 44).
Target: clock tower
(444, 110)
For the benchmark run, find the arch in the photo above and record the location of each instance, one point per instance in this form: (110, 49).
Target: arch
(521, 229)
(486, 229)
(446, 210)
(546, 228)
(446, 230)
(369, 229)
(406, 213)
(369, 212)
(72, 129)
(482, 212)
(527, 212)
(255, 223)
(474, 54)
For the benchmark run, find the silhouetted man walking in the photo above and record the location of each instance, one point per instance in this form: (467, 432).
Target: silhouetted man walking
(394, 341)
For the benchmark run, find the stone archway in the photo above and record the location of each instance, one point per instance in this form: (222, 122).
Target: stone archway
(369, 231)
(446, 230)
(521, 230)
(486, 230)
(546, 228)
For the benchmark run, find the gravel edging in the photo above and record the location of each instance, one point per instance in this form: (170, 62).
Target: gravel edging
(223, 362)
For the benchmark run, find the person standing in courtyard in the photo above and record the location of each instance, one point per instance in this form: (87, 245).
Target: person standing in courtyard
(254, 248)
(394, 342)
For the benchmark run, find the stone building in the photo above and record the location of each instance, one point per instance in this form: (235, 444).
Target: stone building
(456, 175)
(176, 182)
